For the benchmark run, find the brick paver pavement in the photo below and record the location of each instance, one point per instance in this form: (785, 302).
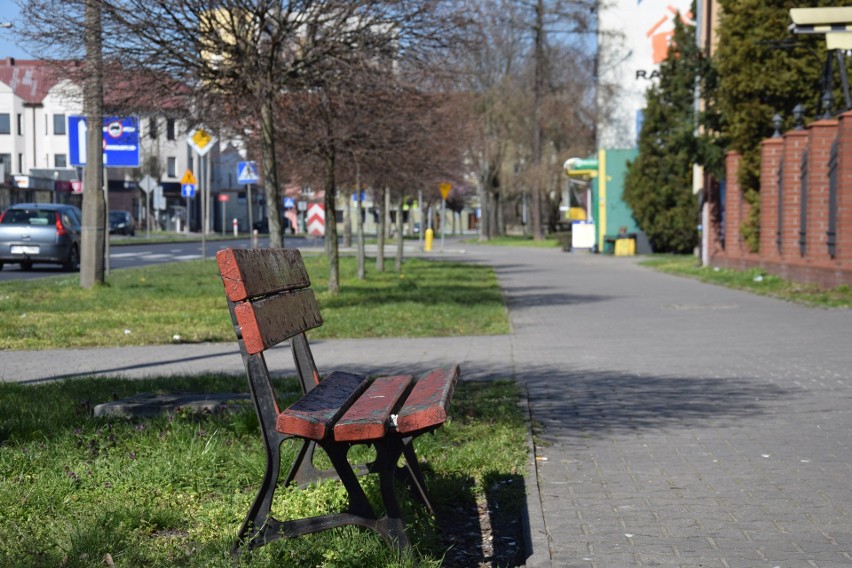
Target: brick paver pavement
(681, 424)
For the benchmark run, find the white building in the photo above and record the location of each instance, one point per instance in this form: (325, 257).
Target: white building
(35, 103)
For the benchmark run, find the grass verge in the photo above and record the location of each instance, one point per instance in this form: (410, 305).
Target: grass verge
(184, 302)
(754, 280)
(76, 490)
(517, 241)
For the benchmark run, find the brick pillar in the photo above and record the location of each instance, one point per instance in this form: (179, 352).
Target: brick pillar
(844, 193)
(795, 143)
(733, 206)
(821, 136)
(770, 158)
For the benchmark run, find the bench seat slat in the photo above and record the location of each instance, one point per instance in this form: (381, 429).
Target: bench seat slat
(249, 273)
(428, 402)
(271, 320)
(367, 419)
(314, 415)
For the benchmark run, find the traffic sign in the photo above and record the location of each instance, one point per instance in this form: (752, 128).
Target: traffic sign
(187, 190)
(148, 184)
(247, 172)
(120, 141)
(445, 189)
(201, 141)
(188, 178)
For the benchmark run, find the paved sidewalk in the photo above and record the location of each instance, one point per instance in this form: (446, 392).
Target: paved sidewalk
(679, 424)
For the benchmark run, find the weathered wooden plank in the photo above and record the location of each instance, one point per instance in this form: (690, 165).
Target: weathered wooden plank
(314, 415)
(428, 402)
(269, 321)
(249, 273)
(367, 418)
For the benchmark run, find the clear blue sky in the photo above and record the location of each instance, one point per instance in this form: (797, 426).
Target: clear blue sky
(8, 48)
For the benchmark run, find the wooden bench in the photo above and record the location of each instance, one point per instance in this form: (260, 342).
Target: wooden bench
(270, 302)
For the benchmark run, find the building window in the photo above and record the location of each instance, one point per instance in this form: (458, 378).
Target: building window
(171, 167)
(6, 162)
(59, 124)
(170, 129)
(20, 124)
(20, 163)
(5, 126)
(60, 161)
(152, 128)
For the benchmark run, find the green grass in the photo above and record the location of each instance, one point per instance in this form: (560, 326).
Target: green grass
(754, 280)
(173, 490)
(518, 241)
(185, 302)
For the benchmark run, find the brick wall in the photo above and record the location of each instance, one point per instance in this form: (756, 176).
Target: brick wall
(843, 255)
(784, 157)
(770, 159)
(795, 143)
(733, 206)
(822, 135)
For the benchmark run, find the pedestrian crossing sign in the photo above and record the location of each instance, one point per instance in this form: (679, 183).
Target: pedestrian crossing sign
(247, 172)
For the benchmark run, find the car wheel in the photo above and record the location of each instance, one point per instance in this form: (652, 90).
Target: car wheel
(1, 266)
(72, 263)
(26, 265)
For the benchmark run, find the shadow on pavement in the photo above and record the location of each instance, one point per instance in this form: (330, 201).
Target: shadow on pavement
(590, 403)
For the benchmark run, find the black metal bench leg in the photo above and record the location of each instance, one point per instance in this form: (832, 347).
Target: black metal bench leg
(391, 526)
(415, 475)
(256, 530)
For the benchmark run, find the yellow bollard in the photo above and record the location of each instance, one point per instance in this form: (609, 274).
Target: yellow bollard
(427, 243)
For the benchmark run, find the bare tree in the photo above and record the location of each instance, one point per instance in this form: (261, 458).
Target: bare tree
(251, 52)
(516, 73)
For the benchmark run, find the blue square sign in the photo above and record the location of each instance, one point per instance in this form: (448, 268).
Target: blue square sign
(120, 140)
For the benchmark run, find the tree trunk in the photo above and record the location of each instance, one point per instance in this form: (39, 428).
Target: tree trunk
(536, 149)
(387, 202)
(94, 209)
(399, 239)
(331, 227)
(380, 233)
(347, 222)
(270, 173)
(360, 224)
(484, 209)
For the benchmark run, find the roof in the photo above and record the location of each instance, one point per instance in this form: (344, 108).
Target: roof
(31, 80)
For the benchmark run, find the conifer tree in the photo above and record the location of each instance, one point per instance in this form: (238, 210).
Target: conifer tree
(658, 187)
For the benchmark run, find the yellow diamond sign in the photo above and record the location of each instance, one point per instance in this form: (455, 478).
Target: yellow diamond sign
(201, 141)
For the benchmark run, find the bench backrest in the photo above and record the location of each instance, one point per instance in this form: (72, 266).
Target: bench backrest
(270, 302)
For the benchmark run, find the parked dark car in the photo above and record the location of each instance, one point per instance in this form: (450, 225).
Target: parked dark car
(262, 226)
(121, 223)
(40, 233)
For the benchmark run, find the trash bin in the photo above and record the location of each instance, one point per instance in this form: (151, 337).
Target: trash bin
(625, 246)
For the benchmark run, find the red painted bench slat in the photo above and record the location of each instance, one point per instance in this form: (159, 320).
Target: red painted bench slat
(313, 415)
(248, 273)
(427, 404)
(368, 418)
(274, 319)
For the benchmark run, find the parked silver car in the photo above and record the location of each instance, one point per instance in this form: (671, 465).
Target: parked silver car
(40, 233)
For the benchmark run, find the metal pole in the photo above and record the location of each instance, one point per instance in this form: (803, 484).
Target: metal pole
(106, 222)
(443, 220)
(204, 206)
(420, 208)
(148, 215)
(250, 216)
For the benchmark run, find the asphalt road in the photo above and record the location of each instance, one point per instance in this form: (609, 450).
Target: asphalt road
(146, 253)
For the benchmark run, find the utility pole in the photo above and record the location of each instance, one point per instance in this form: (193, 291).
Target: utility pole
(94, 218)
